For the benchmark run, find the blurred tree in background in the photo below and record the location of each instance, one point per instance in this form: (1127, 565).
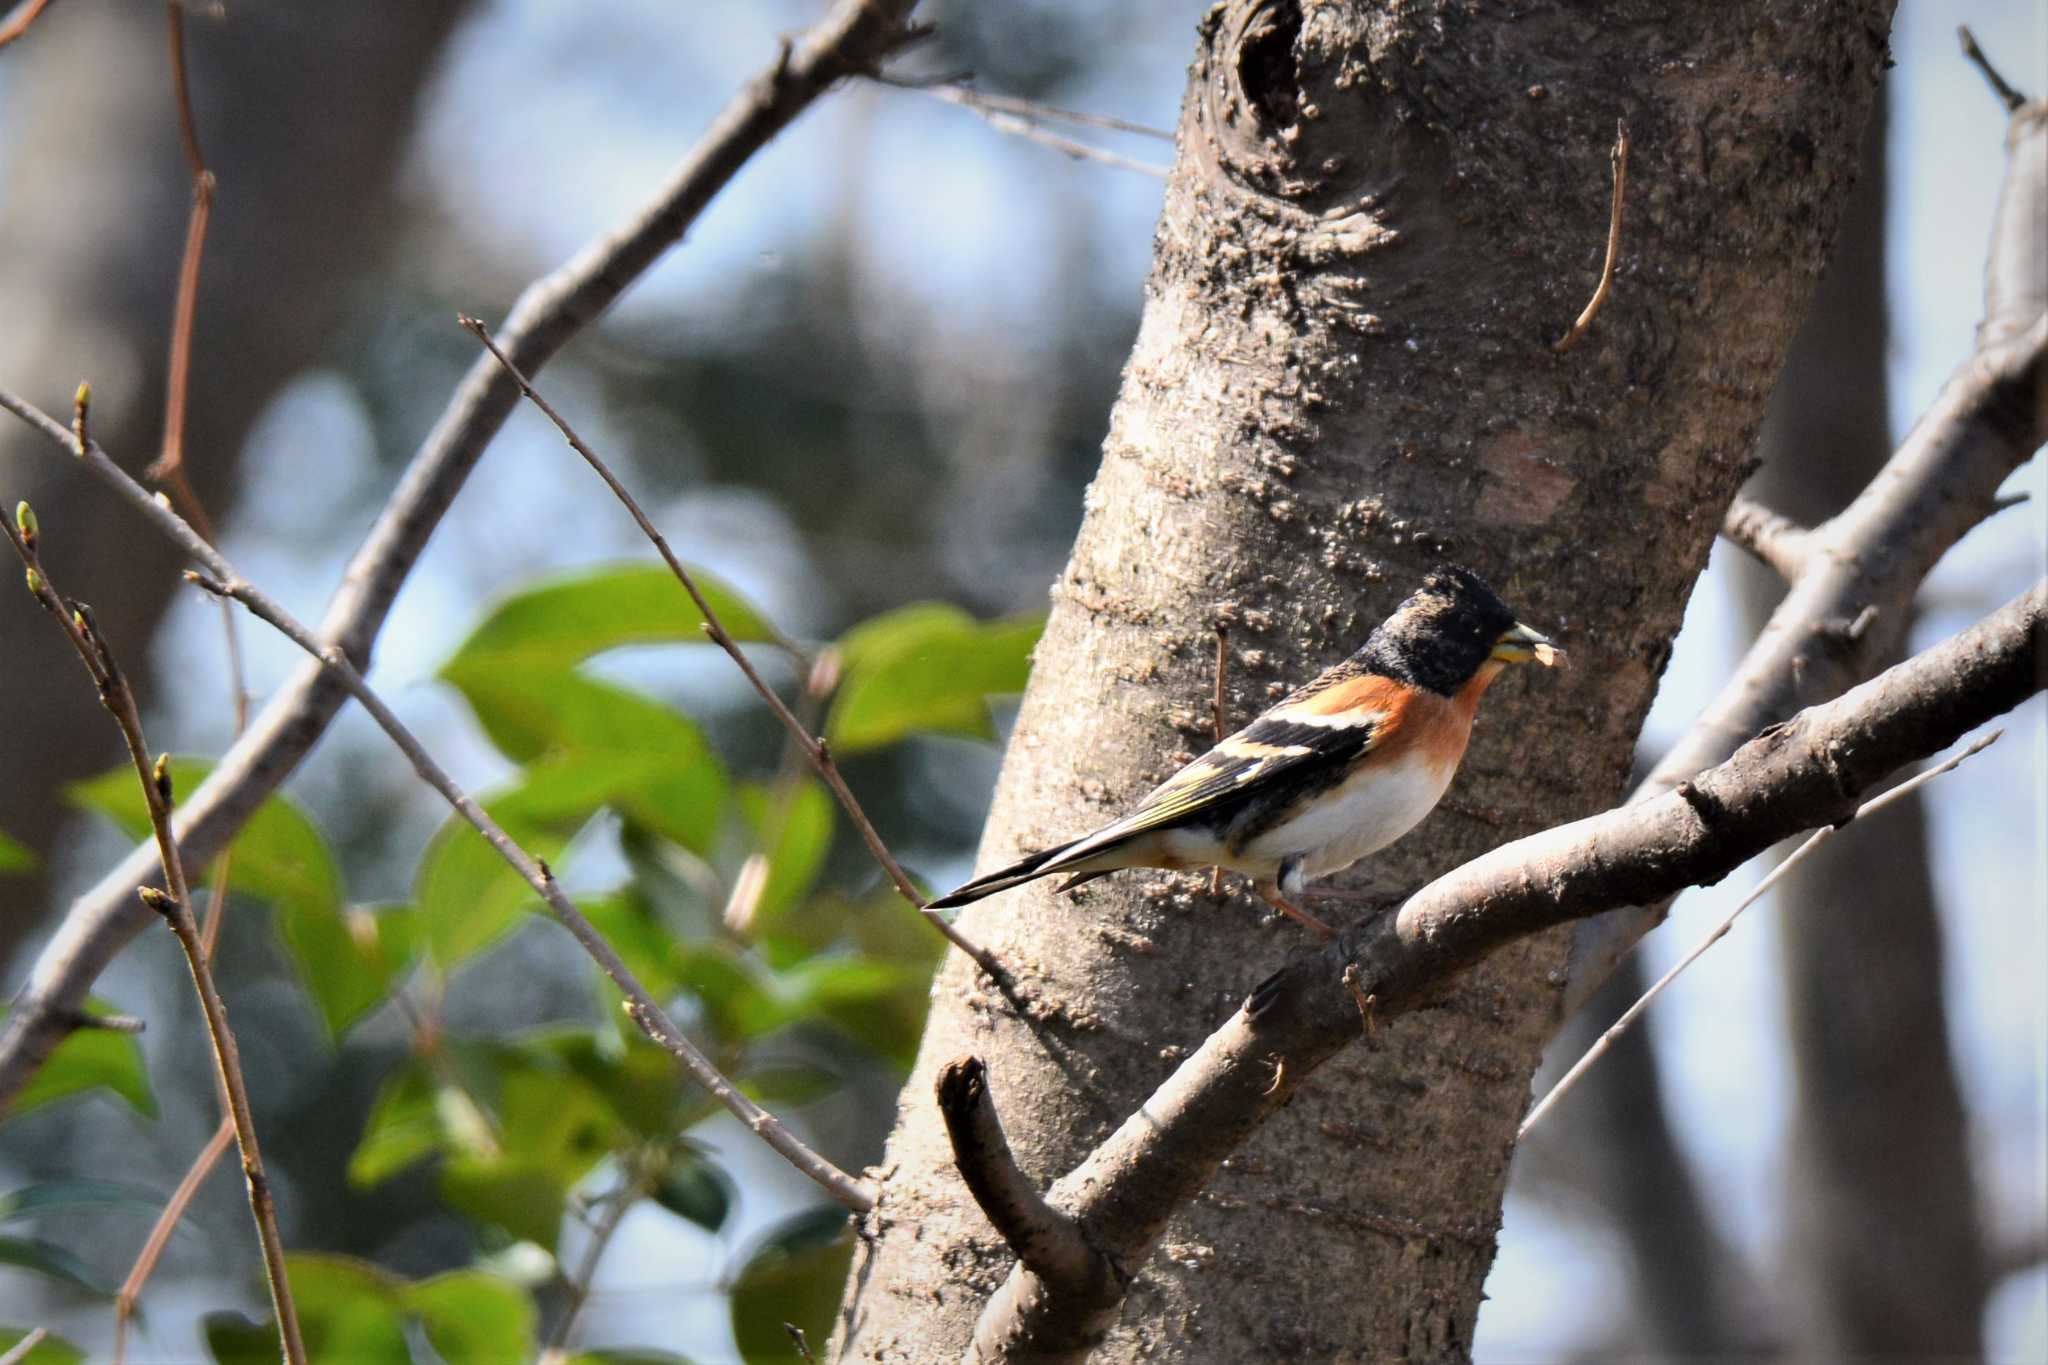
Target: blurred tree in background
(864, 397)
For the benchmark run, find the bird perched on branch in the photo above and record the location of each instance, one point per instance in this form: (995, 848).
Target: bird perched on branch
(1341, 768)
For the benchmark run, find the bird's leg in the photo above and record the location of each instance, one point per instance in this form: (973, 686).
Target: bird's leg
(1270, 894)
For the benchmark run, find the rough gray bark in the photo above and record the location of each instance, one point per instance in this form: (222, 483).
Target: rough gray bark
(302, 111)
(1882, 1250)
(1379, 219)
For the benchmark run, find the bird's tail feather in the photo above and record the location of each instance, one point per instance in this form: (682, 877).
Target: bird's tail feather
(1016, 874)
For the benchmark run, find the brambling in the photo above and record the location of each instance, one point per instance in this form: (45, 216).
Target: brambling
(1338, 769)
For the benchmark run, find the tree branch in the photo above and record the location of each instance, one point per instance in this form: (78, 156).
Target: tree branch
(853, 37)
(1808, 771)
(1046, 1240)
(1848, 608)
(640, 1007)
(1776, 540)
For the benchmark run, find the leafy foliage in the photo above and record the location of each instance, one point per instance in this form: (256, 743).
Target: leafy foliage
(928, 668)
(726, 905)
(90, 1059)
(15, 857)
(352, 1313)
(348, 960)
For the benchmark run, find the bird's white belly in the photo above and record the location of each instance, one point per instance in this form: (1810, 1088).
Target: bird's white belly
(1364, 815)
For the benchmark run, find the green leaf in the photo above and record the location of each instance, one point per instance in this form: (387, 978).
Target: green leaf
(89, 1058)
(523, 1198)
(403, 1128)
(639, 1082)
(15, 857)
(33, 1200)
(344, 959)
(628, 923)
(880, 926)
(234, 1339)
(588, 746)
(468, 896)
(694, 1189)
(788, 1085)
(730, 985)
(51, 1350)
(556, 624)
(348, 1312)
(49, 1259)
(926, 668)
(817, 985)
(471, 1317)
(794, 830)
(795, 1275)
(552, 1128)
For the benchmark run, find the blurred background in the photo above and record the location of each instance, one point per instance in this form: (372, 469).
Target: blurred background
(878, 372)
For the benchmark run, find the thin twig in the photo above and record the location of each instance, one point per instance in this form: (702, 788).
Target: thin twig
(2011, 98)
(160, 1235)
(19, 1351)
(1619, 159)
(852, 36)
(176, 908)
(1775, 539)
(961, 93)
(796, 1337)
(223, 581)
(632, 1185)
(1820, 836)
(639, 1005)
(169, 466)
(814, 748)
(17, 23)
(1021, 118)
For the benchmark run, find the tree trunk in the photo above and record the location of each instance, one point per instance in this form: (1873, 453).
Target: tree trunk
(1883, 1252)
(1380, 219)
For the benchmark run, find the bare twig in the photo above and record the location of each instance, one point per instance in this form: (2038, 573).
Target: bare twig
(118, 697)
(16, 24)
(1026, 119)
(813, 747)
(961, 93)
(1820, 836)
(1941, 481)
(1043, 1238)
(20, 1350)
(1618, 158)
(169, 466)
(1777, 540)
(2009, 97)
(160, 1233)
(1809, 771)
(854, 36)
(619, 1201)
(800, 1341)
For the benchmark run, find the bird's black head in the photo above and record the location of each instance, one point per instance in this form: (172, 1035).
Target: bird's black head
(1447, 630)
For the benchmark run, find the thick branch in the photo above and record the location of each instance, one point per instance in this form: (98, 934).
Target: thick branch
(853, 37)
(1848, 608)
(1809, 771)
(1044, 1239)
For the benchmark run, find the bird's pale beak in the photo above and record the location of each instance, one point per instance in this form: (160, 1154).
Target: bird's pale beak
(1520, 643)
